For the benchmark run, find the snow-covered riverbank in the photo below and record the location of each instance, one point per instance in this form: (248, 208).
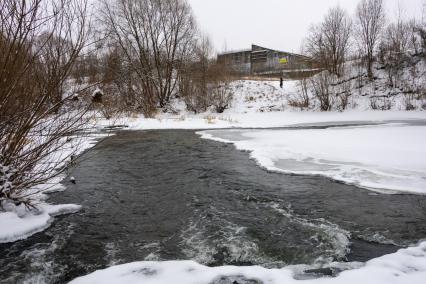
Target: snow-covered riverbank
(261, 120)
(405, 266)
(263, 104)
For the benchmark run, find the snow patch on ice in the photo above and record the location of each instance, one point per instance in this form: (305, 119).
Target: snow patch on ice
(387, 158)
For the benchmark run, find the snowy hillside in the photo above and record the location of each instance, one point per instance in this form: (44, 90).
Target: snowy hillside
(409, 93)
(404, 91)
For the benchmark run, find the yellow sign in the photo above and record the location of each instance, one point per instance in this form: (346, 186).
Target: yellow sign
(283, 60)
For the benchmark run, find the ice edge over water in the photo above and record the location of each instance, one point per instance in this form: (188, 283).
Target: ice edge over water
(279, 155)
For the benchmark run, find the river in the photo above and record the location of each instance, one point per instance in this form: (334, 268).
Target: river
(169, 195)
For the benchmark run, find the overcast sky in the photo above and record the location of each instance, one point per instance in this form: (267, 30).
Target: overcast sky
(279, 24)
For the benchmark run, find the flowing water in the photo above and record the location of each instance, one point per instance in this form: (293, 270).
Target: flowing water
(169, 195)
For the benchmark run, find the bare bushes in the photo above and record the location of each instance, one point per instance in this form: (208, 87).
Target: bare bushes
(193, 76)
(222, 95)
(214, 90)
(301, 99)
(409, 102)
(204, 83)
(321, 89)
(193, 89)
(39, 46)
(380, 103)
(324, 91)
(220, 90)
(343, 96)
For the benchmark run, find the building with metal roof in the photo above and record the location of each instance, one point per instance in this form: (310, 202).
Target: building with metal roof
(261, 61)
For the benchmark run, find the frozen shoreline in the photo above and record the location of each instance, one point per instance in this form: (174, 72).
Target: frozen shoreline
(385, 158)
(265, 120)
(405, 266)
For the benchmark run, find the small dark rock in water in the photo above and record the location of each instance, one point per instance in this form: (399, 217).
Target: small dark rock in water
(72, 180)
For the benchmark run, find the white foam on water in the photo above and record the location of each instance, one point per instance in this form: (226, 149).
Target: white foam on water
(43, 268)
(112, 250)
(338, 238)
(154, 249)
(201, 244)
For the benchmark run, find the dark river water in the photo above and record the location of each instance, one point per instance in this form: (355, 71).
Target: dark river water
(168, 195)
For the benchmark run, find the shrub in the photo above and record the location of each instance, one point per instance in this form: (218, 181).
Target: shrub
(320, 87)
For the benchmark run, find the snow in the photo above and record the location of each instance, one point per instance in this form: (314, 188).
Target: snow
(405, 266)
(264, 120)
(18, 223)
(387, 157)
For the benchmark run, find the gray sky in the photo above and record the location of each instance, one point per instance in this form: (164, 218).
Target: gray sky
(279, 24)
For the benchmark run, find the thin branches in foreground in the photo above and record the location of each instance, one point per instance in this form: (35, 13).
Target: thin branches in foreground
(40, 42)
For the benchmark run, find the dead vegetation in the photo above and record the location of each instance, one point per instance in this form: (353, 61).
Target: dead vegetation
(39, 44)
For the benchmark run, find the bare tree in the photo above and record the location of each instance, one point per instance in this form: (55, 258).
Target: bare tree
(396, 45)
(154, 36)
(337, 31)
(422, 28)
(315, 46)
(328, 42)
(39, 43)
(370, 23)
